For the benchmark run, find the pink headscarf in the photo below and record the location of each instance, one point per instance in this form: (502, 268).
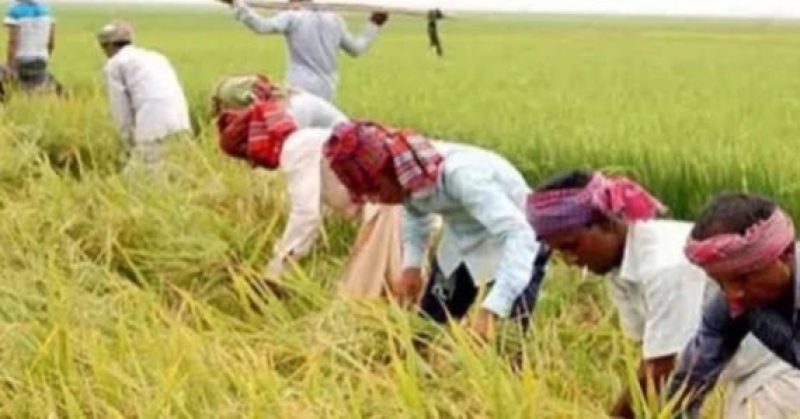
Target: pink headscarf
(762, 244)
(556, 210)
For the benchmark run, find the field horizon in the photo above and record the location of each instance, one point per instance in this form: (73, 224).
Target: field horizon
(125, 297)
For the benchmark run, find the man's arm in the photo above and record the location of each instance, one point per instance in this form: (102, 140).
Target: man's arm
(673, 300)
(417, 229)
(303, 179)
(706, 355)
(119, 99)
(11, 45)
(51, 41)
(278, 24)
(652, 373)
(504, 220)
(358, 45)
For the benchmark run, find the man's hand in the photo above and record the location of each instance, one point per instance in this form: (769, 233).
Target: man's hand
(379, 18)
(622, 408)
(483, 325)
(228, 2)
(406, 289)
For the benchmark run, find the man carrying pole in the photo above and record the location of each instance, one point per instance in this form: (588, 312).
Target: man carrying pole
(313, 38)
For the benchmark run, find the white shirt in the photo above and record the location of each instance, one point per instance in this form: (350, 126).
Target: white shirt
(311, 183)
(313, 39)
(35, 23)
(147, 100)
(309, 180)
(660, 294)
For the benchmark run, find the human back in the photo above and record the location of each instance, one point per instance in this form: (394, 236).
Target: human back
(156, 95)
(313, 40)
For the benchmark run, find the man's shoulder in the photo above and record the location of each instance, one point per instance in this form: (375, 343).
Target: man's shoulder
(27, 10)
(653, 247)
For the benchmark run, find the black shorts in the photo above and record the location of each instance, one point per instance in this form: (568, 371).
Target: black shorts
(452, 297)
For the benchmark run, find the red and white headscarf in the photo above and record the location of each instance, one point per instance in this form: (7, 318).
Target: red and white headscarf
(558, 210)
(358, 151)
(258, 132)
(762, 244)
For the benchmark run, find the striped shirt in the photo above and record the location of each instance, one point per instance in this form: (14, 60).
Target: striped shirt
(720, 336)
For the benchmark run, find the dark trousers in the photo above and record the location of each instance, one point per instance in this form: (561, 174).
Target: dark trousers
(28, 75)
(452, 297)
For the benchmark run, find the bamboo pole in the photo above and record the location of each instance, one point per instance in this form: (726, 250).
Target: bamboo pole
(340, 7)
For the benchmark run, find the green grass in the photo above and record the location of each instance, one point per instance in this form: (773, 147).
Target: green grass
(690, 108)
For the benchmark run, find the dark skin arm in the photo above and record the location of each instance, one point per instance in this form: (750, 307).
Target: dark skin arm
(51, 43)
(11, 46)
(656, 371)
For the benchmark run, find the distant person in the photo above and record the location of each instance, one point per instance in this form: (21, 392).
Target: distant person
(747, 244)
(433, 31)
(609, 226)
(31, 41)
(313, 36)
(146, 97)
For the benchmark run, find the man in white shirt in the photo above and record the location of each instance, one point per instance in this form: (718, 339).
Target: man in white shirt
(282, 129)
(146, 97)
(607, 225)
(31, 41)
(313, 38)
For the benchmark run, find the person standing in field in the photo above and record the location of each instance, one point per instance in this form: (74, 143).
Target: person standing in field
(747, 244)
(313, 37)
(31, 41)
(480, 197)
(278, 128)
(434, 16)
(608, 225)
(146, 98)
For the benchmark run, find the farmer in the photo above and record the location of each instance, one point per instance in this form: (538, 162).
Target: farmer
(481, 199)
(31, 40)
(313, 37)
(607, 225)
(146, 97)
(279, 128)
(746, 243)
(434, 16)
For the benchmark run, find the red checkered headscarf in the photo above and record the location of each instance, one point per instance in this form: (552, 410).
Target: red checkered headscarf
(359, 151)
(556, 210)
(762, 244)
(257, 133)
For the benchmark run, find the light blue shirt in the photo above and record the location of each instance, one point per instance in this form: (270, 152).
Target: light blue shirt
(481, 198)
(313, 39)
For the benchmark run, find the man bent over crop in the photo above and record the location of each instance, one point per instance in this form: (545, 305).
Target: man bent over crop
(607, 224)
(746, 243)
(481, 199)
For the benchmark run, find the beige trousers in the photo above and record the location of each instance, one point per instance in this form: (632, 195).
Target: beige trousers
(375, 259)
(777, 399)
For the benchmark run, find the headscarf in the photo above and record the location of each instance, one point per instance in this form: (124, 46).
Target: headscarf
(763, 243)
(257, 132)
(359, 151)
(556, 210)
(115, 31)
